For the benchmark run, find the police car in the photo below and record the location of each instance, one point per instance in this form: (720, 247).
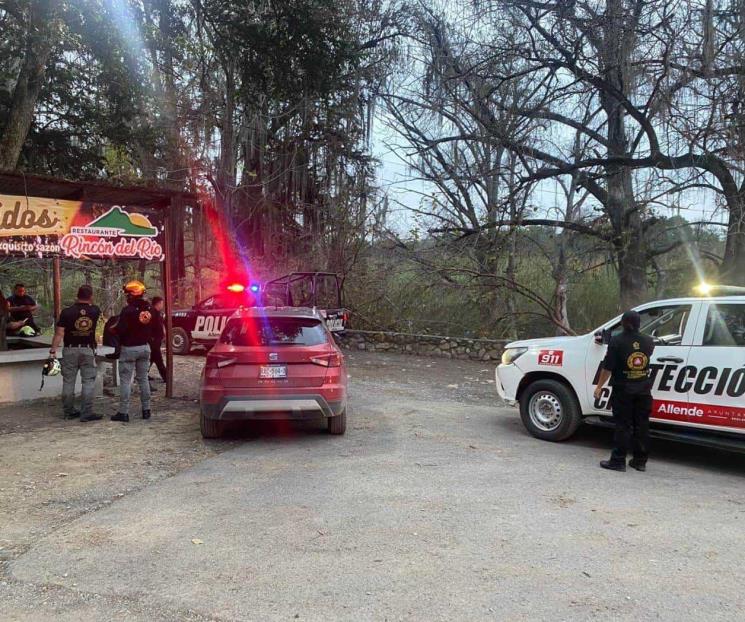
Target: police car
(697, 369)
(202, 324)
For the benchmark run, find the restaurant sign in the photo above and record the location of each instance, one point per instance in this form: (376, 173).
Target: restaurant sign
(39, 227)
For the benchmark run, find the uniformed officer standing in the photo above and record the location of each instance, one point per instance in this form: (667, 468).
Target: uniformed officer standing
(627, 365)
(156, 338)
(134, 330)
(76, 329)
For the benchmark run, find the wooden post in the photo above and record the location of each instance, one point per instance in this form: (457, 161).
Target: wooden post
(3, 320)
(57, 285)
(198, 234)
(165, 268)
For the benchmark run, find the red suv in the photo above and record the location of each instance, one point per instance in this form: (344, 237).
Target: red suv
(273, 363)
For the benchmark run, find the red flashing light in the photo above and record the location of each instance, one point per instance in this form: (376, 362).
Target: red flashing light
(236, 288)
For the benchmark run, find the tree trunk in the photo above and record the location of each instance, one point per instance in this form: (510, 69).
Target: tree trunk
(561, 290)
(226, 173)
(511, 270)
(630, 250)
(732, 270)
(39, 44)
(511, 274)
(197, 228)
(621, 207)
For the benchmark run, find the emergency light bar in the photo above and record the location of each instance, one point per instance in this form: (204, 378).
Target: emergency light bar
(708, 289)
(236, 288)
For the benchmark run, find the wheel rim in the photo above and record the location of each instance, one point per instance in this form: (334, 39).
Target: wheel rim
(177, 341)
(546, 411)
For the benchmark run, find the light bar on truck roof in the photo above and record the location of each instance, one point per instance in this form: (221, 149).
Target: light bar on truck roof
(710, 289)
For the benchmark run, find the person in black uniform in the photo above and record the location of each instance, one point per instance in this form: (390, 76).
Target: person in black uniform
(7, 324)
(156, 337)
(134, 330)
(76, 329)
(627, 365)
(22, 307)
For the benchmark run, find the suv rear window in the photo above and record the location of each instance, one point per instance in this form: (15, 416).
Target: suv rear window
(273, 331)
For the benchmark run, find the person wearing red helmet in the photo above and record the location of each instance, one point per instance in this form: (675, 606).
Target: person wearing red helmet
(134, 330)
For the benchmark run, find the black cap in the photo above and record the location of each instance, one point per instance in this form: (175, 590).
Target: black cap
(631, 320)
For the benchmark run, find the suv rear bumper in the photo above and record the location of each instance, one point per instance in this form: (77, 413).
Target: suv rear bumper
(248, 408)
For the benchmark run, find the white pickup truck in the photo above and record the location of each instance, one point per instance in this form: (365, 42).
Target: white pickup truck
(698, 370)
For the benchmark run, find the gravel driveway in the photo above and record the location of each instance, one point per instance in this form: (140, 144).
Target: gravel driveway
(436, 505)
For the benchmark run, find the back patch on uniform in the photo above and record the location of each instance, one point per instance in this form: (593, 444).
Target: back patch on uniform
(637, 365)
(83, 324)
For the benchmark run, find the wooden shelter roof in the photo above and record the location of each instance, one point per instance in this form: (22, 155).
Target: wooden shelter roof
(18, 183)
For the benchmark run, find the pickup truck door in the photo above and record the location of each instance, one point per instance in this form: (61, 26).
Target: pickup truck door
(328, 299)
(672, 326)
(716, 371)
(211, 316)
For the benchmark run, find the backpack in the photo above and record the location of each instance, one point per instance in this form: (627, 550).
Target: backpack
(110, 338)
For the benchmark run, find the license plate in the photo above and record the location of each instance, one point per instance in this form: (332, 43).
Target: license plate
(273, 371)
(335, 323)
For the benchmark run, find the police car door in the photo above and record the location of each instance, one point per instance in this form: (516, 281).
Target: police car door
(717, 369)
(212, 314)
(672, 326)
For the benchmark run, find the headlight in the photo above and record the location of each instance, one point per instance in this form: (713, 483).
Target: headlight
(510, 355)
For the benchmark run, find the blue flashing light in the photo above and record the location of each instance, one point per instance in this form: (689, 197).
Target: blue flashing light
(254, 288)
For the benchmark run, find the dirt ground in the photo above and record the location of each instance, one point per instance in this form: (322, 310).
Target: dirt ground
(436, 505)
(53, 471)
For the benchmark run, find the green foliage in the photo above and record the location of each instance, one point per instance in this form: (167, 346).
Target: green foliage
(431, 288)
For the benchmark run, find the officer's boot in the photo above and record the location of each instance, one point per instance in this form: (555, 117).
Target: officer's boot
(120, 417)
(613, 465)
(146, 414)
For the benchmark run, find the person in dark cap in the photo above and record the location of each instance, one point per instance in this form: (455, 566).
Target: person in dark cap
(626, 364)
(76, 330)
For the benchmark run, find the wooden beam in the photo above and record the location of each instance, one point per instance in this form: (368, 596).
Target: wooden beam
(57, 285)
(165, 268)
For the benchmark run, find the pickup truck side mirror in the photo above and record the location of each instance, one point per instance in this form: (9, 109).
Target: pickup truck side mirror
(602, 337)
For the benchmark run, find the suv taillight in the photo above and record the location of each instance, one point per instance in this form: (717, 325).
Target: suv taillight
(327, 360)
(217, 361)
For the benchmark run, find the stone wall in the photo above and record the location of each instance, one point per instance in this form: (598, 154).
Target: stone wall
(423, 345)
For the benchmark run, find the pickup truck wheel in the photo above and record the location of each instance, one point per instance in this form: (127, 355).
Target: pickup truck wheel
(180, 341)
(549, 410)
(210, 428)
(338, 424)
